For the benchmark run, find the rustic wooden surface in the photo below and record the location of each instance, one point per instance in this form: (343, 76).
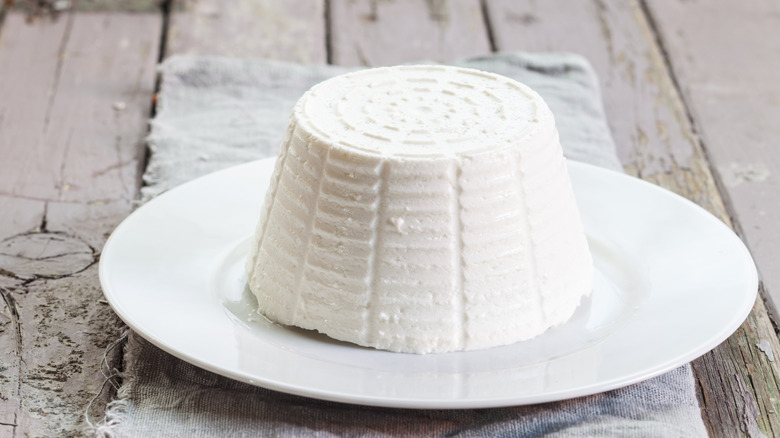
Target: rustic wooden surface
(735, 101)
(649, 124)
(656, 142)
(78, 165)
(371, 33)
(289, 31)
(73, 113)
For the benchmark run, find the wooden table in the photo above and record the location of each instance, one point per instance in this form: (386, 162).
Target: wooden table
(691, 90)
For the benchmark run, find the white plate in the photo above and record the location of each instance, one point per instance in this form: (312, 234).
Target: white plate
(672, 283)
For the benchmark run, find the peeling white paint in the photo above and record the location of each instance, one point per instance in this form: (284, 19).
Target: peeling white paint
(766, 347)
(738, 173)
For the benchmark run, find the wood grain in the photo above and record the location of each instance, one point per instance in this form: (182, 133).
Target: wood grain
(10, 340)
(19, 214)
(277, 29)
(738, 381)
(76, 139)
(24, 111)
(374, 33)
(41, 8)
(729, 80)
(656, 141)
(647, 118)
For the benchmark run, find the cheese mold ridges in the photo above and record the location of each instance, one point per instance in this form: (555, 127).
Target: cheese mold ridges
(420, 209)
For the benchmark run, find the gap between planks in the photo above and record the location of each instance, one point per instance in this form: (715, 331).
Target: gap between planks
(73, 177)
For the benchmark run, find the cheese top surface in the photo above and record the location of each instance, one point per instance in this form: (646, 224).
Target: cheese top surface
(421, 110)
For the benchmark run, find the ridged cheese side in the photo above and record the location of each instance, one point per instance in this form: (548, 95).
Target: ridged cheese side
(421, 237)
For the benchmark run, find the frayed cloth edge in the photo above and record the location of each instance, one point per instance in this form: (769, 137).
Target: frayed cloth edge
(116, 410)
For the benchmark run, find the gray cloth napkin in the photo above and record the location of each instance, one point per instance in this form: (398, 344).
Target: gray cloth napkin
(214, 113)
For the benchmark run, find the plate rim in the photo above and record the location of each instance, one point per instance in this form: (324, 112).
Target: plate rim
(468, 403)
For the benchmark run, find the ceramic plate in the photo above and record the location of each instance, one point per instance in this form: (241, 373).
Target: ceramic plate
(672, 282)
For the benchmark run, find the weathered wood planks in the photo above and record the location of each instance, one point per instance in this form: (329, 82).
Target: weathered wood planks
(22, 211)
(656, 142)
(296, 31)
(729, 78)
(648, 121)
(278, 29)
(739, 380)
(374, 33)
(73, 112)
(40, 8)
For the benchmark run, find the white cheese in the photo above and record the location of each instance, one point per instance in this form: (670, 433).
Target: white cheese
(421, 209)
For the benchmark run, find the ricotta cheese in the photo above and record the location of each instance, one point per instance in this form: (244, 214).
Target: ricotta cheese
(420, 209)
